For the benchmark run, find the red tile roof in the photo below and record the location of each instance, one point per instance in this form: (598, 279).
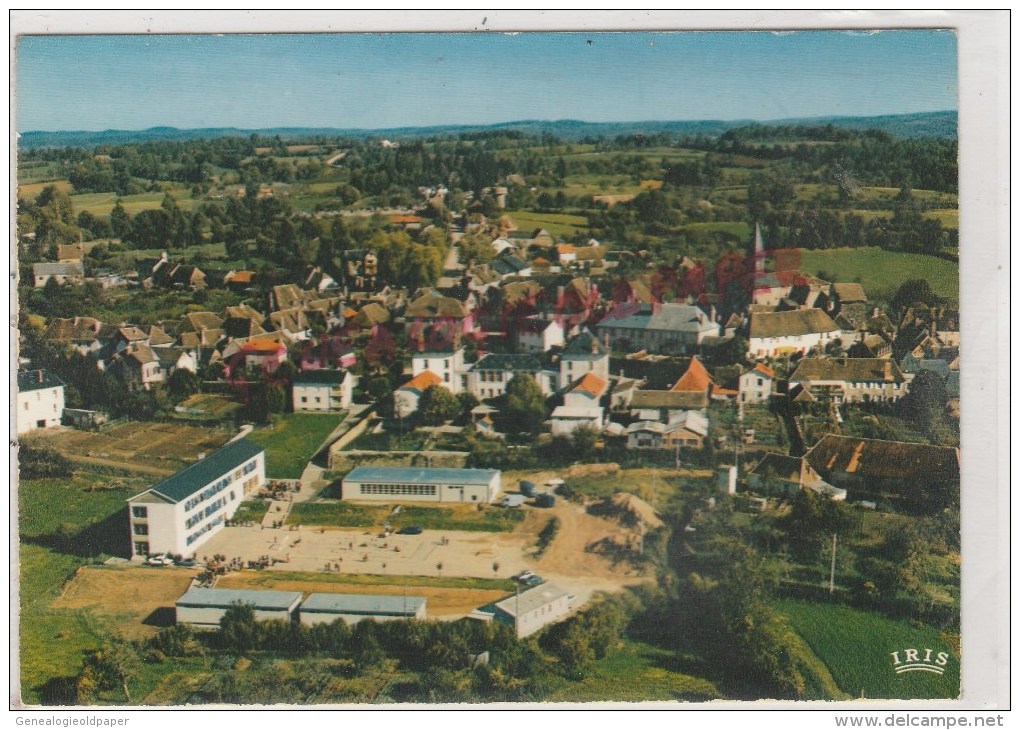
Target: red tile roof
(695, 380)
(421, 381)
(591, 383)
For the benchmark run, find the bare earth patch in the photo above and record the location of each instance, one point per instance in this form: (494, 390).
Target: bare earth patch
(133, 596)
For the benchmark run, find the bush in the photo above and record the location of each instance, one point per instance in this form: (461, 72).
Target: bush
(42, 463)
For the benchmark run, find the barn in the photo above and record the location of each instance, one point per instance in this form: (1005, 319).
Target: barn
(321, 608)
(204, 607)
(409, 484)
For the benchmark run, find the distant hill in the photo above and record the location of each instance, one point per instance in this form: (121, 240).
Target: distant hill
(924, 124)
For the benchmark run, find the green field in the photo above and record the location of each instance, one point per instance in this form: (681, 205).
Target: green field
(637, 672)
(62, 522)
(292, 440)
(347, 514)
(269, 579)
(100, 204)
(737, 228)
(881, 272)
(857, 647)
(558, 224)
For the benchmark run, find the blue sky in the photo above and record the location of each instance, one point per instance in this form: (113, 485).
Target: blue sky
(393, 80)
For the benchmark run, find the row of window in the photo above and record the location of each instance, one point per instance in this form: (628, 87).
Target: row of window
(199, 516)
(205, 528)
(218, 487)
(416, 490)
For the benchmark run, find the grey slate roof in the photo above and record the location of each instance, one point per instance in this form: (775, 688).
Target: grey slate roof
(583, 347)
(320, 377)
(509, 363)
(362, 604)
(29, 380)
(69, 269)
(224, 597)
(410, 475)
(660, 317)
(178, 487)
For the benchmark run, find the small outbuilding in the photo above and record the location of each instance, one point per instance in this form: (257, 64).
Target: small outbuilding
(321, 608)
(204, 607)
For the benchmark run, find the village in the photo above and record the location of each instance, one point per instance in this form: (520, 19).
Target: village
(518, 428)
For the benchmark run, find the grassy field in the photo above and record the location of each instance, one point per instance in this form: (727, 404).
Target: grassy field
(347, 514)
(269, 580)
(61, 523)
(881, 272)
(857, 647)
(292, 440)
(100, 204)
(558, 224)
(208, 405)
(739, 229)
(637, 672)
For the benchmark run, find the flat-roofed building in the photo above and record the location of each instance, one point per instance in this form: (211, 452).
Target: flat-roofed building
(528, 611)
(204, 607)
(410, 484)
(181, 512)
(321, 608)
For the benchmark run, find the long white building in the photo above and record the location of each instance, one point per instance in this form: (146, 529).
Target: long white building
(181, 512)
(410, 484)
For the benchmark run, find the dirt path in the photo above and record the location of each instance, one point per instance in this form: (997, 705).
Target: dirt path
(567, 554)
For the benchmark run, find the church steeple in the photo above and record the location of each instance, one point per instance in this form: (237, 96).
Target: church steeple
(759, 251)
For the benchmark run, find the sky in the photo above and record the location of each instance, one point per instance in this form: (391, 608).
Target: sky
(378, 81)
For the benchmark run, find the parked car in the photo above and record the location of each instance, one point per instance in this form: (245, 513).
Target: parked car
(159, 560)
(410, 530)
(523, 575)
(188, 563)
(533, 580)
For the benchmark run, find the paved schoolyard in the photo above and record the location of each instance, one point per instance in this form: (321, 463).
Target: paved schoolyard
(355, 550)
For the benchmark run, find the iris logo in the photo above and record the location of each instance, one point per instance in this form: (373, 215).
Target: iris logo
(912, 661)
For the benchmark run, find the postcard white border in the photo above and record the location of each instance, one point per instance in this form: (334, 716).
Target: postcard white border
(983, 42)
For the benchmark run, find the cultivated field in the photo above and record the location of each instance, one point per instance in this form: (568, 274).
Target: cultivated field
(148, 448)
(208, 405)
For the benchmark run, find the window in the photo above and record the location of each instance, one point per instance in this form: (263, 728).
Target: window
(26, 405)
(141, 548)
(140, 512)
(141, 529)
(304, 399)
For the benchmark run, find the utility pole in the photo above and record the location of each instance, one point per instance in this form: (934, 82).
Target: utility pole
(832, 568)
(517, 612)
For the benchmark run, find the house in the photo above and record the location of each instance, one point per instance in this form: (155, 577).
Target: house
(69, 253)
(449, 366)
(776, 334)
(40, 401)
(401, 484)
(332, 353)
(852, 379)
(69, 273)
(489, 376)
(685, 429)
(407, 396)
(432, 307)
(779, 473)
(927, 477)
(672, 329)
(537, 334)
(322, 390)
(263, 353)
(581, 406)
(528, 611)
(292, 322)
(139, 367)
(172, 359)
(756, 385)
(178, 514)
(85, 335)
(325, 608)
(581, 355)
(666, 403)
(566, 253)
(199, 321)
(203, 608)
(239, 280)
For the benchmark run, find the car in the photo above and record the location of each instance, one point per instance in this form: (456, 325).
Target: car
(533, 580)
(410, 530)
(523, 576)
(188, 563)
(159, 560)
